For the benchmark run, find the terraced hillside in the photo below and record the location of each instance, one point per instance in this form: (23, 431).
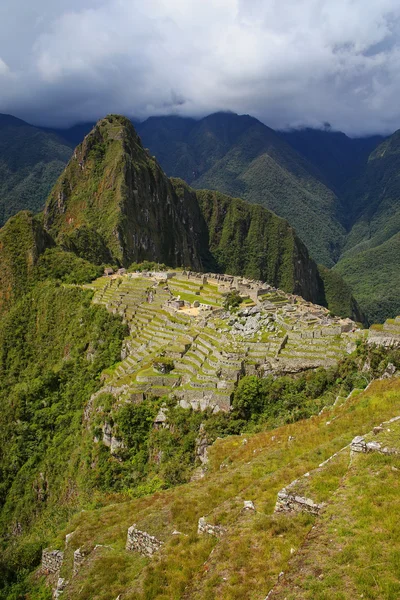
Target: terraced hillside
(307, 511)
(183, 341)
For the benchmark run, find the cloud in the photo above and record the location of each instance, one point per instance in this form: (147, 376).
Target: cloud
(298, 62)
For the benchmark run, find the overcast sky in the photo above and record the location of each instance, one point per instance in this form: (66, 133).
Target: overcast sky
(287, 62)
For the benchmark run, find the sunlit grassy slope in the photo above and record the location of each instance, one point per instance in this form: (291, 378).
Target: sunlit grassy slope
(349, 550)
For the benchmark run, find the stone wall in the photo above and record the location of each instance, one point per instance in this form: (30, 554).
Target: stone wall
(79, 557)
(383, 338)
(52, 560)
(360, 445)
(142, 542)
(288, 502)
(204, 527)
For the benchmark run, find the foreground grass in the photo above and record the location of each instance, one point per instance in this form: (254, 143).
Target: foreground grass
(354, 550)
(245, 562)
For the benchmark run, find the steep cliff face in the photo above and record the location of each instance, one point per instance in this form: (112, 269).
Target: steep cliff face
(114, 196)
(245, 239)
(22, 241)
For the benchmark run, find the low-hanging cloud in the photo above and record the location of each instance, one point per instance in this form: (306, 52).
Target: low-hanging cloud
(292, 63)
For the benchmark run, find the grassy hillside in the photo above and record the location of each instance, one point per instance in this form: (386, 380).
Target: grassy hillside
(30, 162)
(239, 156)
(257, 545)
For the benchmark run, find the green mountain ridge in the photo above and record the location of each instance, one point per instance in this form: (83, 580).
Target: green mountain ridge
(292, 172)
(371, 254)
(30, 162)
(240, 156)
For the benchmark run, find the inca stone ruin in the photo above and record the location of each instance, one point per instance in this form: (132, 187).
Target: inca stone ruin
(180, 317)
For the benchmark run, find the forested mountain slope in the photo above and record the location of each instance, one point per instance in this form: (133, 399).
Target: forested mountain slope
(372, 252)
(240, 156)
(339, 158)
(30, 161)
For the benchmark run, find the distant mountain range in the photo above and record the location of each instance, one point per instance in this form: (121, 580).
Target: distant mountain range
(340, 194)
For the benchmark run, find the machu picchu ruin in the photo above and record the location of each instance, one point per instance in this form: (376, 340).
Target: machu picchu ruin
(180, 320)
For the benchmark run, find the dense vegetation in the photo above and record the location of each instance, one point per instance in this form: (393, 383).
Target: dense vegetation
(54, 346)
(339, 296)
(22, 240)
(372, 250)
(374, 276)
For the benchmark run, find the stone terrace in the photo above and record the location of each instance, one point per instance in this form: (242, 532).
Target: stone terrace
(180, 316)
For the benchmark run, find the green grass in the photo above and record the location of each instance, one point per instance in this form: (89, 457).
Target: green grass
(245, 563)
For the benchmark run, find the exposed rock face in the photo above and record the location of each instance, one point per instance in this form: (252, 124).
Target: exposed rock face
(142, 542)
(110, 440)
(79, 557)
(202, 443)
(60, 587)
(114, 201)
